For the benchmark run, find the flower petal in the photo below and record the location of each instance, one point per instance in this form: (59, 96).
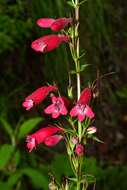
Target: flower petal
(49, 109)
(81, 117)
(45, 22)
(31, 143)
(49, 42)
(63, 110)
(60, 23)
(39, 45)
(89, 112)
(28, 104)
(85, 96)
(55, 115)
(43, 133)
(38, 96)
(53, 140)
(74, 111)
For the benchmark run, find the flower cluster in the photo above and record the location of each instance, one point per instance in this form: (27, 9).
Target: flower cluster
(50, 42)
(60, 106)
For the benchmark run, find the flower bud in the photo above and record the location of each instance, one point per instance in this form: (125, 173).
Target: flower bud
(74, 140)
(91, 130)
(79, 150)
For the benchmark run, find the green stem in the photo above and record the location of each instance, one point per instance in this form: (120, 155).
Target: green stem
(77, 63)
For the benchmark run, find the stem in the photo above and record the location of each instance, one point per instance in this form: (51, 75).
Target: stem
(77, 49)
(77, 64)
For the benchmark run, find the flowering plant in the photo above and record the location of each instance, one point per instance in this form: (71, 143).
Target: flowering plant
(77, 112)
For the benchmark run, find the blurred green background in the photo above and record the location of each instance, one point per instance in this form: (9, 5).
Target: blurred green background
(103, 35)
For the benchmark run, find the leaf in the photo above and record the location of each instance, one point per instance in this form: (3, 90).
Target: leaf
(37, 178)
(12, 180)
(4, 186)
(96, 139)
(81, 56)
(7, 127)
(16, 158)
(27, 126)
(6, 151)
(61, 166)
(73, 72)
(71, 4)
(82, 2)
(90, 178)
(91, 167)
(83, 67)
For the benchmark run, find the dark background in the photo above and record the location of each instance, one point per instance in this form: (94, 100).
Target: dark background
(103, 35)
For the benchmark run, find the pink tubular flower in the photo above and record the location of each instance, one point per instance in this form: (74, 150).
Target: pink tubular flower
(79, 150)
(49, 42)
(54, 24)
(44, 135)
(81, 109)
(37, 96)
(58, 107)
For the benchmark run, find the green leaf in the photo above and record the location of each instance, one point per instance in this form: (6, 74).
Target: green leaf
(96, 139)
(90, 178)
(16, 158)
(37, 178)
(4, 186)
(61, 166)
(92, 169)
(12, 180)
(6, 151)
(73, 72)
(83, 67)
(82, 2)
(7, 127)
(81, 56)
(71, 4)
(27, 126)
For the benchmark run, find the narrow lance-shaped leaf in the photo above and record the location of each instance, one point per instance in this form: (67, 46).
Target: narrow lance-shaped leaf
(28, 125)
(7, 127)
(6, 151)
(37, 178)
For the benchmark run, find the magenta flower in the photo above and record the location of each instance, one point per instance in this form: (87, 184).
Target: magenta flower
(37, 96)
(79, 149)
(44, 135)
(48, 43)
(54, 24)
(81, 109)
(58, 107)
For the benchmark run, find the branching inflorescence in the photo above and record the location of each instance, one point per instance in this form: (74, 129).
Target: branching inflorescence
(78, 116)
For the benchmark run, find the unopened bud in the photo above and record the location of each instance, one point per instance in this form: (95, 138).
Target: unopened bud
(53, 186)
(79, 150)
(74, 140)
(91, 130)
(70, 92)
